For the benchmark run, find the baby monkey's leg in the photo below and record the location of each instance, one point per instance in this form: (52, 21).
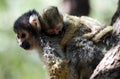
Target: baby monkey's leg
(98, 30)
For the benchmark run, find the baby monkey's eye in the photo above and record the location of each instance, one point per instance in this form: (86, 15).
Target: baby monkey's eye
(23, 35)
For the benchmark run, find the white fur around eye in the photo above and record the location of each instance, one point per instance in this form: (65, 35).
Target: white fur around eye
(19, 41)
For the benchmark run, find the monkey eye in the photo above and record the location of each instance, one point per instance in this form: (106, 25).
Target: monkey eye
(23, 35)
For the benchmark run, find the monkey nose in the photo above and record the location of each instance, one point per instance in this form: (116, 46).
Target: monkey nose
(25, 45)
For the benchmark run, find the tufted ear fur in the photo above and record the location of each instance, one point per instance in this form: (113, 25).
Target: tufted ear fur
(34, 21)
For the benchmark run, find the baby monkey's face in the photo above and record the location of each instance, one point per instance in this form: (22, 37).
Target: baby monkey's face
(53, 19)
(55, 29)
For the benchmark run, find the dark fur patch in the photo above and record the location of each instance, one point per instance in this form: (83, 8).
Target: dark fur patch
(23, 22)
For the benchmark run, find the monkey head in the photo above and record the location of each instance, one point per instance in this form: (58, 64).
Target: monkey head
(27, 28)
(54, 20)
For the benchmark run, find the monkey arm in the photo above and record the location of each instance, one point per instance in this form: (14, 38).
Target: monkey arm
(71, 29)
(71, 24)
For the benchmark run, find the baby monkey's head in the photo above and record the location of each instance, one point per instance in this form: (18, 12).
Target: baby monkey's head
(54, 20)
(27, 28)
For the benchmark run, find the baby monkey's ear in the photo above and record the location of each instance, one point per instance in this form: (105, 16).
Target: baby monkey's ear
(34, 21)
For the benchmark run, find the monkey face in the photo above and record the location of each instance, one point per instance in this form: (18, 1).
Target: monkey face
(54, 20)
(26, 40)
(55, 30)
(27, 28)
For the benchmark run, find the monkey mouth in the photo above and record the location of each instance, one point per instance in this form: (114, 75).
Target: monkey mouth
(25, 45)
(25, 48)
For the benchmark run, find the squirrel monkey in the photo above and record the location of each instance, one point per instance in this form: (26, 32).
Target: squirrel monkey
(57, 22)
(29, 29)
(28, 33)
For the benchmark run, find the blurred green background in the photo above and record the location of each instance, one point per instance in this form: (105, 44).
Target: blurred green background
(16, 63)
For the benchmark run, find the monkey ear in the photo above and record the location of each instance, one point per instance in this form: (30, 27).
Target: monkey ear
(34, 21)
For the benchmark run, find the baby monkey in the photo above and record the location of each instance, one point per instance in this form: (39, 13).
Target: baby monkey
(56, 22)
(53, 19)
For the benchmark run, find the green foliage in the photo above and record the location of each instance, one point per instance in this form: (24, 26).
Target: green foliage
(3, 4)
(103, 10)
